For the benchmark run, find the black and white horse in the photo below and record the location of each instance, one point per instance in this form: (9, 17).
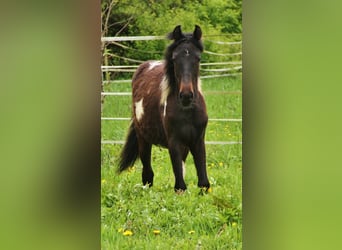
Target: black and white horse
(169, 110)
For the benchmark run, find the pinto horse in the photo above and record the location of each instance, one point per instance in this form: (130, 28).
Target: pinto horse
(169, 111)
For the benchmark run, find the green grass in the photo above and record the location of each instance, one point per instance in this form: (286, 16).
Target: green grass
(187, 221)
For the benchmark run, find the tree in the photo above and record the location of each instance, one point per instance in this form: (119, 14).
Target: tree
(158, 17)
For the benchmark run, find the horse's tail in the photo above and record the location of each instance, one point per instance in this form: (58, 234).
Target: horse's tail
(130, 150)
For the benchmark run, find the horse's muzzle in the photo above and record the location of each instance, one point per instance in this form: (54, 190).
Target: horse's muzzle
(186, 98)
(186, 93)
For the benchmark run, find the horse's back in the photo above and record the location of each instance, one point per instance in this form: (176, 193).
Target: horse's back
(146, 94)
(147, 76)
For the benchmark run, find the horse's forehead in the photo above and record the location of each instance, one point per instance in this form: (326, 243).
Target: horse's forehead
(186, 48)
(186, 45)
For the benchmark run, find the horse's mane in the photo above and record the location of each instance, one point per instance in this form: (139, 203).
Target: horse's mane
(169, 67)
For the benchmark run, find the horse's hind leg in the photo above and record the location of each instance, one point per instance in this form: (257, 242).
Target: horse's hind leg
(145, 157)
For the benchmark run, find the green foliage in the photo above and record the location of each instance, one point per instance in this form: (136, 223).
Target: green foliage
(156, 17)
(218, 18)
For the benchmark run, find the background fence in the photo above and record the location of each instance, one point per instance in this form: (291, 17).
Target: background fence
(222, 59)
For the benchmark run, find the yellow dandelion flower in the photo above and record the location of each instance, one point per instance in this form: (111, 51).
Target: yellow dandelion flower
(156, 232)
(131, 169)
(127, 233)
(221, 164)
(209, 190)
(191, 232)
(103, 181)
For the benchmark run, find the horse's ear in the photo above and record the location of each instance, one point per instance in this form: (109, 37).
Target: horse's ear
(176, 34)
(197, 32)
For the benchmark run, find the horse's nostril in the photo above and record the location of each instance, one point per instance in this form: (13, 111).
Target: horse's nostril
(189, 95)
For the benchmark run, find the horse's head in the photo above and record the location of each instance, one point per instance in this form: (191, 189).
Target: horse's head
(183, 60)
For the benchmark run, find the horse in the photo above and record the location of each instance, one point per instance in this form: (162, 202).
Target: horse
(169, 111)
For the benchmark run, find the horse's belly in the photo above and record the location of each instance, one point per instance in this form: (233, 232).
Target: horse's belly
(152, 135)
(150, 128)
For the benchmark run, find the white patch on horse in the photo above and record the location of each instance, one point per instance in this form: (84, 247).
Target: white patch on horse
(183, 168)
(165, 104)
(187, 52)
(154, 64)
(139, 109)
(165, 90)
(199, 85)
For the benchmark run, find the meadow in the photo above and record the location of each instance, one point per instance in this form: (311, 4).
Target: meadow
(137, 217)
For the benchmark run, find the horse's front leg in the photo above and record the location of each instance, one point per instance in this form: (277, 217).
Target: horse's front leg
(199, 154)
(176, 151)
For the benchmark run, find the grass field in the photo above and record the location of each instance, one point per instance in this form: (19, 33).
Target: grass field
(136, 217)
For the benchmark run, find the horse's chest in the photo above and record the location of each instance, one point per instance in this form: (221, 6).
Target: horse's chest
(188, 132)
(186, 127)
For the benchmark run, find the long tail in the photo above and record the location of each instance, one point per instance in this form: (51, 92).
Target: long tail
(130, 151)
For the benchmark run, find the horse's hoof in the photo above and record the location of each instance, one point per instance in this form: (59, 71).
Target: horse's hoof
(148, 184)
(205, 190)
(179, 191)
